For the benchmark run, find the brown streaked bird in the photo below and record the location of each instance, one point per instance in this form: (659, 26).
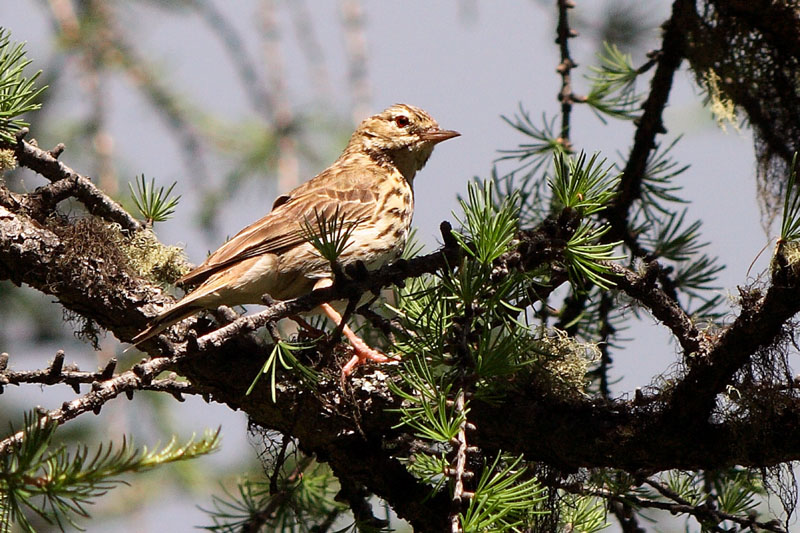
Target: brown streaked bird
(371, 186)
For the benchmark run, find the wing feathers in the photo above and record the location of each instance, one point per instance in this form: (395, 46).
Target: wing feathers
(282, 229)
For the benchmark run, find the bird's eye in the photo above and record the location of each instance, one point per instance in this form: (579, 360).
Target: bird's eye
(401, 121)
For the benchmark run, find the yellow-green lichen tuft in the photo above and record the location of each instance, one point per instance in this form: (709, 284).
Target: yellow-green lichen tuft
(7, 161)
(152, 260)
(787, 255)
(721, 106)
(567, 360)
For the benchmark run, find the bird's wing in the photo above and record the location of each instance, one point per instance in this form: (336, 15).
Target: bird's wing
(282, 228)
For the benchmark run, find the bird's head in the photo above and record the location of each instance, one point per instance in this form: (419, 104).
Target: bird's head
(402, 135)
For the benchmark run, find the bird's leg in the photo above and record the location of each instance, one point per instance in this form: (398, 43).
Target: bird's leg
(348, 312)
(363, 352)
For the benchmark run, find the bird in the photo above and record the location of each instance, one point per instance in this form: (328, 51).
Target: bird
(370, 187)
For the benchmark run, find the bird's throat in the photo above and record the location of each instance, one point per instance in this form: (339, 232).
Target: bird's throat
(406, 161)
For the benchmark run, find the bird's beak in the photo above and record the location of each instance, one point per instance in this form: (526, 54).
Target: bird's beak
(435, 135)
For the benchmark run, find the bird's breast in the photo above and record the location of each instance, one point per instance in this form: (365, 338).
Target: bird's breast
(383, 237)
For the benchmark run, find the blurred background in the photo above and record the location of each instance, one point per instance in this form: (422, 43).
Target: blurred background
(240, 101)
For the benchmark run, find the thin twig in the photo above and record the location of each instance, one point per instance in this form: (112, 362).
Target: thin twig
(708, 513)
(606, 332)
(389, 327)
(565, 96)
(699, 511)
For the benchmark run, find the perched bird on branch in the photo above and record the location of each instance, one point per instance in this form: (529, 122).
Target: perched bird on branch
(369, 188)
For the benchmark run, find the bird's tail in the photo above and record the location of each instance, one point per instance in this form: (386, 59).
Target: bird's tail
(166, 319)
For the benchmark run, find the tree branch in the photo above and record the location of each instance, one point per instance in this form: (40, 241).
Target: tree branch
(643, 290)
(139, 377)
(761, 322)
(57, 373)
(649, 125)
(67, 183)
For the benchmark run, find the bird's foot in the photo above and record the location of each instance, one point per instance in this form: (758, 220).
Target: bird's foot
(363, 353)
